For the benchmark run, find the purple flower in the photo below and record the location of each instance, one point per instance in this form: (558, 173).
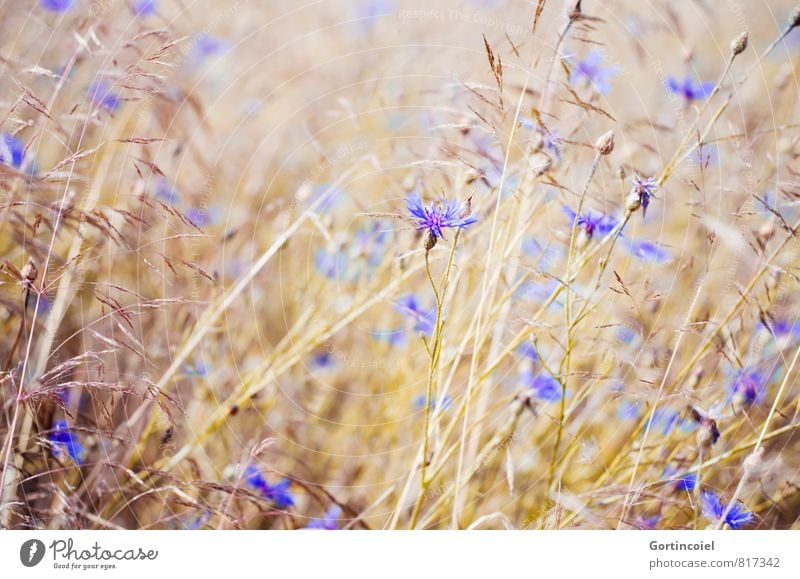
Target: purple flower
(550, 139)
(627, 410)
(647, 250)
(748, 388)
(329, 521)
(278, 494)
(12, 150)
(664, 419)
(592, 222)
(688, 89)
(207, 45)
(64, 441)
(102, 94)
(144, 7)
(57, 5)
(322, 359)
(643, 190)
(444, 404)
(714, 509)
(166, 192)
(527, 350)
(434, 218)
(423, 320)
(590, 71)
(544, 386)
(686, 482)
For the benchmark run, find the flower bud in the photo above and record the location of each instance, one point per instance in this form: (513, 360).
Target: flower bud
(739, 44)
(605, 144)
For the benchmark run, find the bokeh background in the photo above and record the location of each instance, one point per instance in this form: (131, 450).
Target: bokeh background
(215, 309)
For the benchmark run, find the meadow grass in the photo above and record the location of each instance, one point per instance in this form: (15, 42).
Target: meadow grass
(388, 265)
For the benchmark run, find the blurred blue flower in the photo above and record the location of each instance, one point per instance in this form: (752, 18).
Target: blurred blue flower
(527, 350)
(550, 138)
(445, 403)
(369, 11)
(64, 441)
(645, 250)
(57, 5)
(321, 359)
(685, 482)
(12, 150)
(144, 7)
(591, 222)
(423, 320)
(628, 410)
(206, 45)
(278, 494)
(103, 95)
(748, 387)
(664, 419)
(434, 218)
(166, 192)
(713, 509)
(544, 386)
(329, 521)
(643, 190)
(688, 89)
(591, 71)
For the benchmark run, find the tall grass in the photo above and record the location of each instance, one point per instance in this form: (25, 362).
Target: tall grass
(218, 313)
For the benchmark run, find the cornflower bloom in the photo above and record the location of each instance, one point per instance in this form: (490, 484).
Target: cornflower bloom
(278, 494)
(57, 5)
(688, 89)
(641, 193)
(591, 222)
(329, 521)
(64, 441)
(590, 71)
(435, 218)
(12, 150)
(423, 320)
(713, 509)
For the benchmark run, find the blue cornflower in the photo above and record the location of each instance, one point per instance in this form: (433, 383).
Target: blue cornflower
(207, 45)
(592, 222)
(102, 94)
(423, 320)
(444, 404)
(166, 192)
(329, 521)
(550, 138)
(589, 70)
(278, 494)
(12, 150)
(748, 388)
(784, 328)
(66, 442)
(322, 359)
(434, 218)
(647, 250)
(527, 350)
(641, 193)
(664, 419)
(688, 89)
(57, 5)
(544, 386)
(714, 509)
(628, 410)
(685, 482)
(144, 7)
